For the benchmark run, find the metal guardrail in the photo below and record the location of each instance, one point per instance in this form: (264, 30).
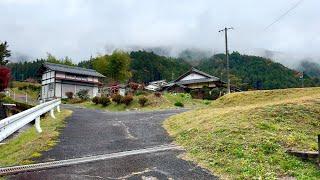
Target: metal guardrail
(13, 123)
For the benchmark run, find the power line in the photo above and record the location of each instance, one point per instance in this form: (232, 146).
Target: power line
(283, 15)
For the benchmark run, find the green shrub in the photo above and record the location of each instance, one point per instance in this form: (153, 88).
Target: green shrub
(30, 87)
(69, 95)
(96, 100)
(127, 100)
(142, 101)
(179, 104)
(83, 94)
(104, 101)
(117, 98)
(2, 95)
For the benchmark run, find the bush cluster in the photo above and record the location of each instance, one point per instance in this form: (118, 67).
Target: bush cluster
(69, 95)
(83, 94)
(142, 101)
(95, 100)
(126, 100)
(104, 101)
(116, 98)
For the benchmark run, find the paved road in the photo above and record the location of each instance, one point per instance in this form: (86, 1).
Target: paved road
(93, 132)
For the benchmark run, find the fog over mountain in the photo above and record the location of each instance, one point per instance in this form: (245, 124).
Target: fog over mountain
(82, 28)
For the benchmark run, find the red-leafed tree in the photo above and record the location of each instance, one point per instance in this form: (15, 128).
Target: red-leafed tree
(4, 71)
(4, 77)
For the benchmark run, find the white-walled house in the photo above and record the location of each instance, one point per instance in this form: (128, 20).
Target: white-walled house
(57, 79)
(194, 79)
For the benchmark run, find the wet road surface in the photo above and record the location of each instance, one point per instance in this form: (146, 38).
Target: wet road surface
(92, 132)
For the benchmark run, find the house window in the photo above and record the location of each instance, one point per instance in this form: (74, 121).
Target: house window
(51, 85)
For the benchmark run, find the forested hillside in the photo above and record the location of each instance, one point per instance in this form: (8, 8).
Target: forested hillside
(247, 72)
(147, 66)
(252, 72)
(24, 70)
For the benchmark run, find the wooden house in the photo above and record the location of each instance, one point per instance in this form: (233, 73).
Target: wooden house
(194, 79)
(57, 79)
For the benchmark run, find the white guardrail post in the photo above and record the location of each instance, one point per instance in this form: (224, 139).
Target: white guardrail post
(13, 123)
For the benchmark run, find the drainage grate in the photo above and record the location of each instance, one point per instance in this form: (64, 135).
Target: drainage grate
(68, 162)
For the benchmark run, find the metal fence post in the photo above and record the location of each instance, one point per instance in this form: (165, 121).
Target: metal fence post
(37, 125)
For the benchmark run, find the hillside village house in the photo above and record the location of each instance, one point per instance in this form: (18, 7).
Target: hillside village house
(58, 79)
(194, 80)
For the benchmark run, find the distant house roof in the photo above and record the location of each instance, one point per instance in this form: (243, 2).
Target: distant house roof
(72, 69)
(192, 81)
(208, 77)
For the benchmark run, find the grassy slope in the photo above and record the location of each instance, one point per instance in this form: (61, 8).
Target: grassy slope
(245, 135)
(29, 144)
(154, 103)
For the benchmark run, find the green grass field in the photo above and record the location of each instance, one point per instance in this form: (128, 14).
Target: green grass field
(246, 135)
(29, 144)
(166, 101)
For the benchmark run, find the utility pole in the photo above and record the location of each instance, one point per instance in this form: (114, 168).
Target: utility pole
(302, 79)
(225, 30)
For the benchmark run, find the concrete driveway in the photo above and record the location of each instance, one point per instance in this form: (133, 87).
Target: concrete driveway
(92, 132)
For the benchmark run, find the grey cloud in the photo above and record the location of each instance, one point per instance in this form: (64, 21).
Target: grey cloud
(81, 28)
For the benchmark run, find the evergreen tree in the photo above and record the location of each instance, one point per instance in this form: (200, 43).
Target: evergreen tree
(4, 53)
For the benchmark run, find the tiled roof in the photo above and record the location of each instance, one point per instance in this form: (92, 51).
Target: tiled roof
(192, 81)
(194, 70)
(72, 69)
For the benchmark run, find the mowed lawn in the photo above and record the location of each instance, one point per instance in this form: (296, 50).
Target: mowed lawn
(246, 135)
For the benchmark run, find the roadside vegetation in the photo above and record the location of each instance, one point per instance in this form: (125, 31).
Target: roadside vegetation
(29, 144)
(20, 90)
(141, 101)
(246, 135)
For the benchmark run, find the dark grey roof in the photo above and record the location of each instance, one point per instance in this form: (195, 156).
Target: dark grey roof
(72, 69)
(194, 70)
(198, 81)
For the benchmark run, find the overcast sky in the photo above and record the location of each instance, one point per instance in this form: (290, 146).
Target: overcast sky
(80, 28)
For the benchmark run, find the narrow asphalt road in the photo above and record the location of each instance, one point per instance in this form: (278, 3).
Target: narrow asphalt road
(92, 132)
